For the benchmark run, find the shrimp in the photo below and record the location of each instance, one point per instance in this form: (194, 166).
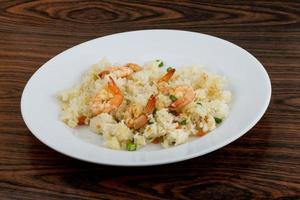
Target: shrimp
(121, 71)
(167, 76)
(133, 111)
(187, 94)
(162, 82)
(136, 117)
(99, 105)
(103, 73)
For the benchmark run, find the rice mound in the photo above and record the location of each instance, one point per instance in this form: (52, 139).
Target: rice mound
(209, 107)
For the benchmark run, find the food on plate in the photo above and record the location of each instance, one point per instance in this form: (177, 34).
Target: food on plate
(132, 105)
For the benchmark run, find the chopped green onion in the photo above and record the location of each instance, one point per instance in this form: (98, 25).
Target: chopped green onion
(161, 64)
(154, 111)
(218, 120)
(169, 68)
(131, 147)
(173, 98)
(199, 103)
(151, 122)
(183, 122)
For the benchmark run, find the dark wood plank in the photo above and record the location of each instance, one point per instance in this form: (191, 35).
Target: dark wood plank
(263, 164)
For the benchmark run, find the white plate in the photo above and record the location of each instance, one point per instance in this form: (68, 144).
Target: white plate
(248, 81)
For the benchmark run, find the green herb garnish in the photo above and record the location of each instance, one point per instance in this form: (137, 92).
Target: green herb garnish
(131, 147)
(161, 64)
(218, 120)
(183, 122)
(154, 111)
(199, 103)
(169, 68)
(173, 98)
(150, 122)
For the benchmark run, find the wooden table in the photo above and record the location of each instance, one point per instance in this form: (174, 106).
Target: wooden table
(264, 163)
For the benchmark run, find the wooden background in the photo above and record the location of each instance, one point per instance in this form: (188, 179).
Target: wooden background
(264, 163)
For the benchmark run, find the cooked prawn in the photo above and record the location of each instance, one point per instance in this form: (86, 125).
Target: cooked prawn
(99, 105)
(103, 73)
(167, 76)
(133, 111)
(121, 71)
(162, 84)
(187, 94)
(136, 117)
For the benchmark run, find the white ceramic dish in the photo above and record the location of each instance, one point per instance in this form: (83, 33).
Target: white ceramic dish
(248, 81)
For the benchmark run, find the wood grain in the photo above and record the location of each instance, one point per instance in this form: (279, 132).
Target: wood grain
(263, 164)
